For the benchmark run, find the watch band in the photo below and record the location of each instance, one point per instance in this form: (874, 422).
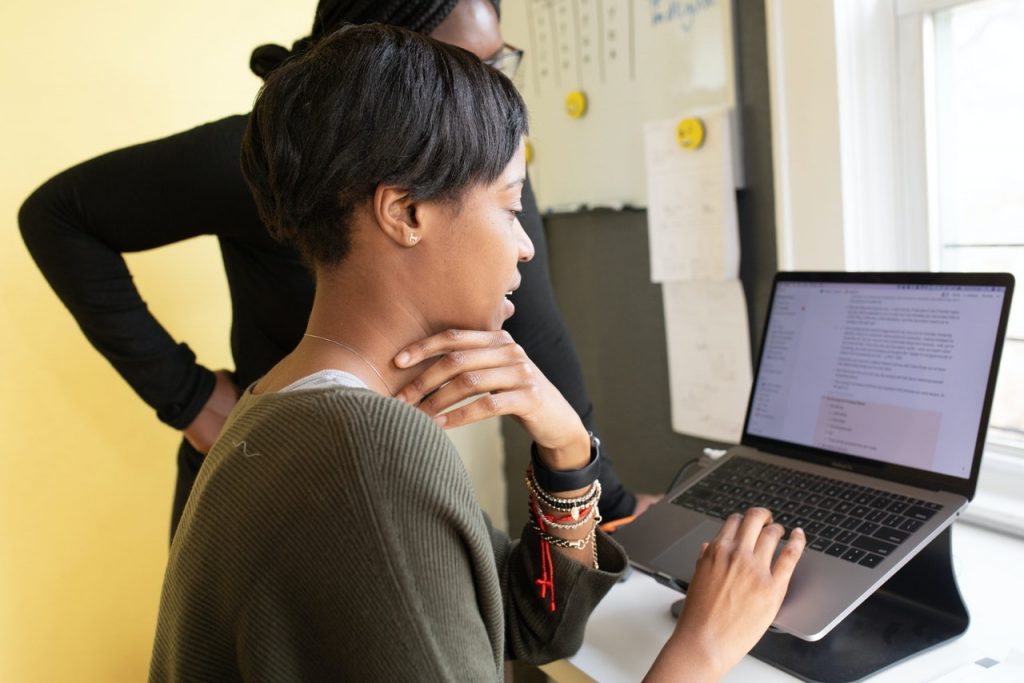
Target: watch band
(555, 481)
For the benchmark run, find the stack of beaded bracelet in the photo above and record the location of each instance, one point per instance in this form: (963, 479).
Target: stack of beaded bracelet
(578, 512)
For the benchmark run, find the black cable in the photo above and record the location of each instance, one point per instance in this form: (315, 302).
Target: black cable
(682, 473)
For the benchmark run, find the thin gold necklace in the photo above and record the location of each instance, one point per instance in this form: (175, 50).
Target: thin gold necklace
(354, 351)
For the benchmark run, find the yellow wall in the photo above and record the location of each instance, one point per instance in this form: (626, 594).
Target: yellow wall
(86, 471)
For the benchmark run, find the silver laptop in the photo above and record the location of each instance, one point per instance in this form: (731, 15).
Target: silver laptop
(865, 427)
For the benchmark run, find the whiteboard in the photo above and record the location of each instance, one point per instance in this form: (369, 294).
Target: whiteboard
(635, 61)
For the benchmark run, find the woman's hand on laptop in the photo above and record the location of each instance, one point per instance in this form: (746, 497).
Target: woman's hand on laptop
(733, 598)
(491, 366)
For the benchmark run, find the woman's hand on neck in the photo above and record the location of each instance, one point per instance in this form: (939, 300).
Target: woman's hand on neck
(490, 366)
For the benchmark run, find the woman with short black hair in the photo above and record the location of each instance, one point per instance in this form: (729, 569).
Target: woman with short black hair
(190, 184)
(333, 532)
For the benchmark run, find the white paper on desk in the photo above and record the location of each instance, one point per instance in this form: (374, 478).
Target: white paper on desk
(691, 203)
(708, 357)
(1010, 670)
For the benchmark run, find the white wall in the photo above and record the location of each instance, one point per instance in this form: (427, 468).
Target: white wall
(805, 134)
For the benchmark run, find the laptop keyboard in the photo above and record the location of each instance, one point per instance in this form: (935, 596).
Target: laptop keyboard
(856, 523)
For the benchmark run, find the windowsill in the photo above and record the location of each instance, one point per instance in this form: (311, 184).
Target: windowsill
(997, 512)
(999, 502)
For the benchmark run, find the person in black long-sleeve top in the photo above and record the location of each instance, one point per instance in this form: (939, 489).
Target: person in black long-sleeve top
(78, 224)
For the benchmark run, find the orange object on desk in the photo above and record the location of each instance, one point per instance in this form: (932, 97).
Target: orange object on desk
(610, 527)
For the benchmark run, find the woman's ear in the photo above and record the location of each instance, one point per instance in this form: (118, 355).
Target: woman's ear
(395, 213)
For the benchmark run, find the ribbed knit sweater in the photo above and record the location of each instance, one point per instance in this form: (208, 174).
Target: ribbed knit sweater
(333, 534)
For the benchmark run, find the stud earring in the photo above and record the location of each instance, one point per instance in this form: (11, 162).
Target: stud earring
(413, 238)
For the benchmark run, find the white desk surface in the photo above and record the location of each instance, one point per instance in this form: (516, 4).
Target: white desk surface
(628, 628)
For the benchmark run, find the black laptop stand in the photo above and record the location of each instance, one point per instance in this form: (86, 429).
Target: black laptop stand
(917, 609)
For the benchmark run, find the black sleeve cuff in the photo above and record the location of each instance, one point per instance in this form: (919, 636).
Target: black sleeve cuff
(196, 391)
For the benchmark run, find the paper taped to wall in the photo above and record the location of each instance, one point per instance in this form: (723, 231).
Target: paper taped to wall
(708, 357)
(691, 203)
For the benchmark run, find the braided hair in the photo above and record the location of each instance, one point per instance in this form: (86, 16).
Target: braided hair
(421, 16)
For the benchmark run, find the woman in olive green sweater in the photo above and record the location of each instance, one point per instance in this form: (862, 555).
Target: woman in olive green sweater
(333, 533)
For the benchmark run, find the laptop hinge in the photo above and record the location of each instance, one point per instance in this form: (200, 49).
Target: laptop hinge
(666, 580)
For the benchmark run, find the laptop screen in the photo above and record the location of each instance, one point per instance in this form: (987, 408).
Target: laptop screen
(895, 373)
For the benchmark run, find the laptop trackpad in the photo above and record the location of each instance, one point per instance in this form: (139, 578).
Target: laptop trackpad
(680, 559)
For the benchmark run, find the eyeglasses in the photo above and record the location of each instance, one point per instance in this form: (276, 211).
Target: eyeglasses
(507, 61)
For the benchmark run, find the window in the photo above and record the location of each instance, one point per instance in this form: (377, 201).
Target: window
(925, 97)
(930, 105)
(974, 104)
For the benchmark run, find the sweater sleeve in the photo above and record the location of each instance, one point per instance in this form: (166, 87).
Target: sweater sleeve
(538, 326)
(534, 634)
(78, 224)
(434, 500)
(336, 536)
